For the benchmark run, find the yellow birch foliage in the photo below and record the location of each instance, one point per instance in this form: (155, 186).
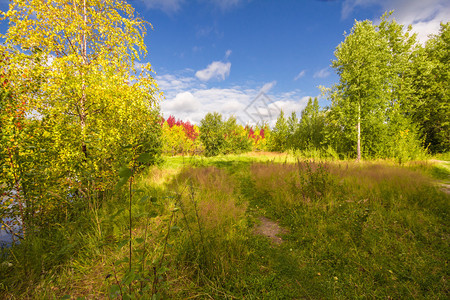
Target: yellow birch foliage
(74, 64)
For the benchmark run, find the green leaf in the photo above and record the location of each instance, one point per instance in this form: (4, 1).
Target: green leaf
(128, 278)
(139, 240)
(122, 243)
(125, 172)
(117, 213)
(121, 183)
(153, 214)
(141, 214)
(121, 261)
(144, 158)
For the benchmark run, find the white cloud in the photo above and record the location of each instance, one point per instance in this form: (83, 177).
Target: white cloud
(425, 28)
(227, 54)
(348, 6)
(173, 84)
(268, 86)
(190, 99)
(184, 101)
(217, 70)
(425, 16)
(167, 6)
(323, 73)
(50, 59)
(300, 75)
(195, 104)
(289, 105)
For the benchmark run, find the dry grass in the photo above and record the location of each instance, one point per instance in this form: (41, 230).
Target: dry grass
(379, 228)
(209, 193)
(157, 176)
(266, 154)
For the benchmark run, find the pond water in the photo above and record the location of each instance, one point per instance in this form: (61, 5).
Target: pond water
(6, 237)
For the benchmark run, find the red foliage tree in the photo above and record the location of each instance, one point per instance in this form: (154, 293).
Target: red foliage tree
(188, 128)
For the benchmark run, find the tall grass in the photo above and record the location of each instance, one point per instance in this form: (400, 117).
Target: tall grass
(366, 230)
(354, 230)
(214, 226)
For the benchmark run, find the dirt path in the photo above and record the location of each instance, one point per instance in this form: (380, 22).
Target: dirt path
(439, 161)
(270, 229)
(445, 188)
(444, 184)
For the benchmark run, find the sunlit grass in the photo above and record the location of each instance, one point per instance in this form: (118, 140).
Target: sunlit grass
(372, 229)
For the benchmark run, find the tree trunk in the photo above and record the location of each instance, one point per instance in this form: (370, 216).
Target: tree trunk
(358, 147)
(83, 113)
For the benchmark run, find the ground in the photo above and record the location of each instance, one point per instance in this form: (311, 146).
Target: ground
(270, 229)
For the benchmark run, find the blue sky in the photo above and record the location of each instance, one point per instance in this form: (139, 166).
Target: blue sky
(218, 55)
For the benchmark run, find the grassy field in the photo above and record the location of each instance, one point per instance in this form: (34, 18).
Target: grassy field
(347, 230)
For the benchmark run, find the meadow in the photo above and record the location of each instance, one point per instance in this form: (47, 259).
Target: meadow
(372, 229)
(108, 197)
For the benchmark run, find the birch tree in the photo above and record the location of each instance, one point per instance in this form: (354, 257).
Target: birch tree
(88, 106)
(361, 63)
(88, 51)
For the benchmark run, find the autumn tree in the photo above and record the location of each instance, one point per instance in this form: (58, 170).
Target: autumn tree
(88, 108)
(258, 136)
(179, 137)
(87, 51)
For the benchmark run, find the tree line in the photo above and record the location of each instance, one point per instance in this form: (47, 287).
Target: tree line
(391, 101)
(213, 136)
(392, 98)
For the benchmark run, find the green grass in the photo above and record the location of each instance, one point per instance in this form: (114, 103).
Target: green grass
(368, 230)
(441, 171)
(227, 161)
(438, 169)
(443, 156)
